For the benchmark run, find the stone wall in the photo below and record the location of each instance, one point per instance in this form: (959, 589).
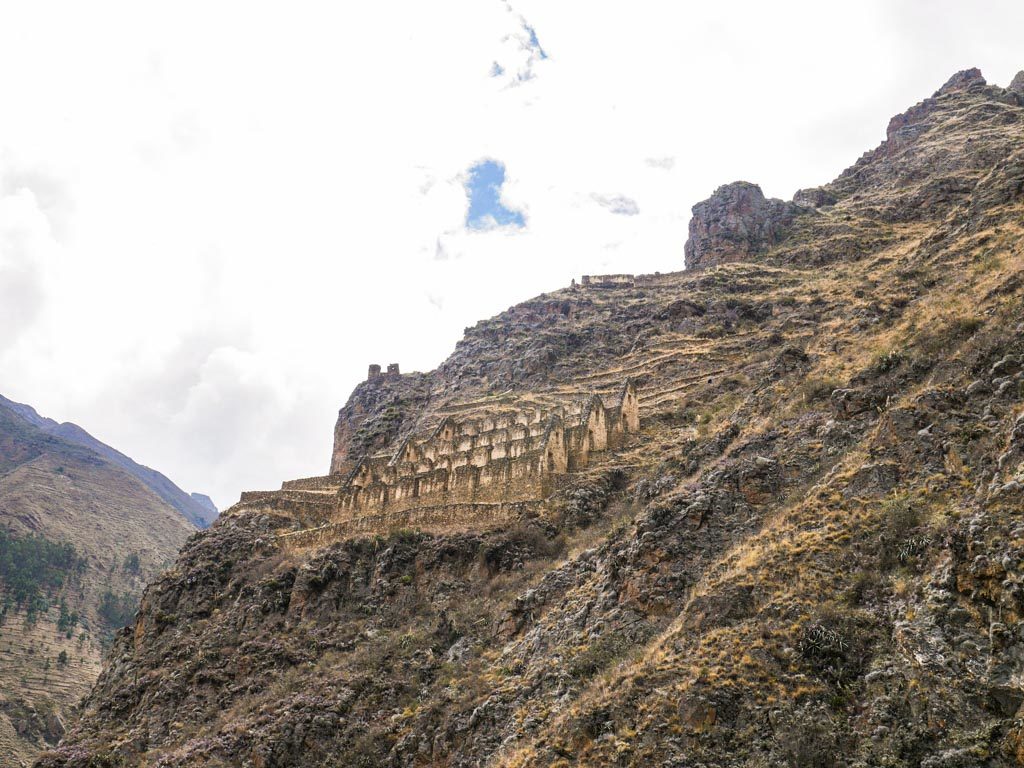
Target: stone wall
(608, 281)
(486, 461)
(322, 483)
(622, 281)
(379, 409)
(499, 457)
(440, 519)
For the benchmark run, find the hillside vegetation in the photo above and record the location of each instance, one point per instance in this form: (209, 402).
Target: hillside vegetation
(809, 556)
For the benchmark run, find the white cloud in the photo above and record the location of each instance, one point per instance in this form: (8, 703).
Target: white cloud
(26, 249)
(665, 163)
(227, 211)
(617, 204)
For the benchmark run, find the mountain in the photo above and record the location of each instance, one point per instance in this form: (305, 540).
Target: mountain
(197, 509)
(80, 536)
(761, 512)
(207, 507)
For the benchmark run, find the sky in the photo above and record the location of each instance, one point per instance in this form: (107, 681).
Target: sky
(214, 216)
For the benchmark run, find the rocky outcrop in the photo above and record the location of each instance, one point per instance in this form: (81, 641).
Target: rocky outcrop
(916, 174)
(379, 410)
(1017, 84)
(905, 127)
(816, 197)
(963, 80)
(736, 223)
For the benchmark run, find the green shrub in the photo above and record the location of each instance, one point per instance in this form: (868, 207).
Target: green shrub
(901, 541)
(68, 619)
(598, 655)
(117, 610)
(815, 389)
(32, 567)
(900, 516)
(837, 647)
(885, 362)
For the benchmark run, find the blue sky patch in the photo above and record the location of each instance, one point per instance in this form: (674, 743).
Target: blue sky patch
(483, 188)
(534, 42)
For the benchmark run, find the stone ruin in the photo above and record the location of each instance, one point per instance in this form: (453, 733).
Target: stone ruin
(608, 281)
(617, 281)
(374, 371)
(466, 472)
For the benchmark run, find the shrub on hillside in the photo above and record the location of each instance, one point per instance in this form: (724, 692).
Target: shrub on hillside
(33, 568)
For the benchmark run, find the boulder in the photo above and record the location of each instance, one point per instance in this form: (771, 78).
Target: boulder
(847, 403)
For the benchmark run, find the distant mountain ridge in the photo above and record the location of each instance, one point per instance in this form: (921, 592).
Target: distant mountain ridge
(198, 509)
(206, 503)
(82, 530)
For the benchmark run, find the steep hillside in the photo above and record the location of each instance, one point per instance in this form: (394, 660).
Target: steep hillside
(79, 539)
(196, 508)
(807, 555)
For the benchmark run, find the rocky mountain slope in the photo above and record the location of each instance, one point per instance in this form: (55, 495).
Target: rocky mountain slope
(80, 536)
(196, 508)
(810, 555)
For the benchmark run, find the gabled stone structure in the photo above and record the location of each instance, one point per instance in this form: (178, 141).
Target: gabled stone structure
(484, 464)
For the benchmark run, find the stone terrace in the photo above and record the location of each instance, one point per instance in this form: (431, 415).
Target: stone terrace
(471, 469)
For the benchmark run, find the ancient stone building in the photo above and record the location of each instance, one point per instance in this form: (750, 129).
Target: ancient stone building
(374, 371)
(608, 281)
(465, 470)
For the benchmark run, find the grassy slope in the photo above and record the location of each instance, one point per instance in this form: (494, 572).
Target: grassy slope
(66, 493)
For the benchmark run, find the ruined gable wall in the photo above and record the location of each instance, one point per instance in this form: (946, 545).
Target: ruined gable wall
(489, 461)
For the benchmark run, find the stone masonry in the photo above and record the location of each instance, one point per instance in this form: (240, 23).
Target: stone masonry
(464, 471)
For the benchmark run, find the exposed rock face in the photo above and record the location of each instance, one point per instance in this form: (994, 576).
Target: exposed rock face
(379, 410)
(1017, 86)
(736, 223)
(968, 78)
(816, 197)
(809, 556)
(904, 128)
